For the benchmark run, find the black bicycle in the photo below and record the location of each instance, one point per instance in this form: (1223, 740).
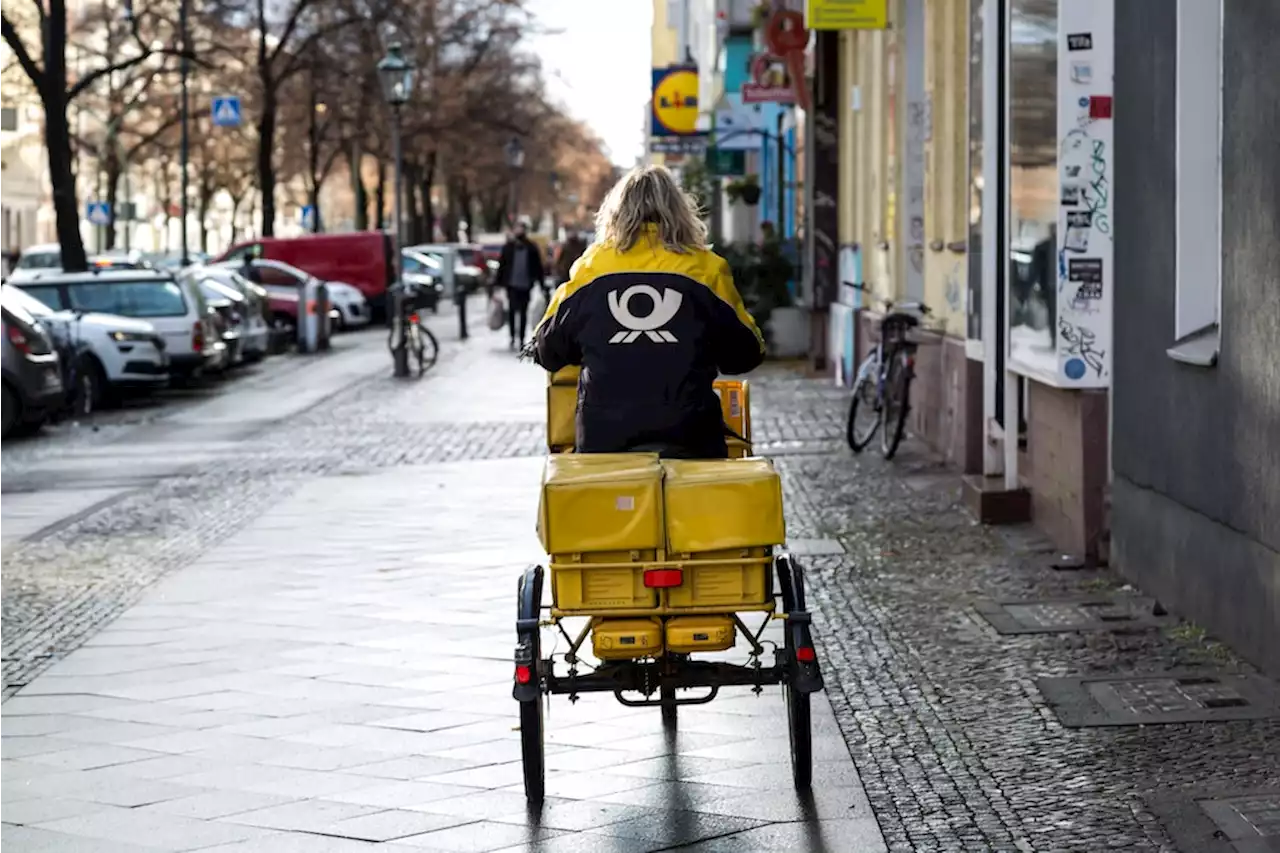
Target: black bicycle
(882, 391)
(419, 343)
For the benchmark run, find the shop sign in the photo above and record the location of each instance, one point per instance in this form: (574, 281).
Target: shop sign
(777, 74)
(675, 101)
(847, 14)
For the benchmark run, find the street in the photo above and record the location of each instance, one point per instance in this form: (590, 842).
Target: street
(283, 620)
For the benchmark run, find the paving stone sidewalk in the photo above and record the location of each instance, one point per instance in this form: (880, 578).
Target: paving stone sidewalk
(333, 672)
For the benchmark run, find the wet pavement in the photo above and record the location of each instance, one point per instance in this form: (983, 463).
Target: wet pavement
(308, 606)
(334, 672)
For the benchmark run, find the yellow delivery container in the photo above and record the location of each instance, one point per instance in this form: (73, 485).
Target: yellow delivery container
(566, 375)
(601, 502)
(623, 639)
(735, 405)
(727, 511)
(579, 581)
(688, 634)
(562, 406)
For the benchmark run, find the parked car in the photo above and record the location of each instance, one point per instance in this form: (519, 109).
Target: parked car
(363, 259)
(122, 354)
(32, 374)
(281, 280)
(47, 257)
(255, 332)
(178, 311)
(172, 260)
(466, 273)
(423, 272)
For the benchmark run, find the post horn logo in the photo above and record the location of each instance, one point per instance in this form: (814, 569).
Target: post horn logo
(665, 306)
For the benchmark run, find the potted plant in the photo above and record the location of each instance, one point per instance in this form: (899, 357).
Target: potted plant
(745, 189)
(762, 275)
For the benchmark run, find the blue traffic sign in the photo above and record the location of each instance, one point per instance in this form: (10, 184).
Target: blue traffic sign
(226, 111)
(99, 213)
(308, 216)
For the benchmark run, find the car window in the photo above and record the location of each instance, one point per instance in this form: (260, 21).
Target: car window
(40, 261)
(420, 264)
(250, 250)
(270, 276)
(46, 293)
(20, 302)
(214, 289)
(130, 298)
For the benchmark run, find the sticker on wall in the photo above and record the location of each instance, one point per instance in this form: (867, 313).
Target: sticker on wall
(1074, 368)
(1100, 106)
(1080, 41)
(1079, 223)
(1081, 72)
(1070, 195)
(1087, 273)
(1071, 170)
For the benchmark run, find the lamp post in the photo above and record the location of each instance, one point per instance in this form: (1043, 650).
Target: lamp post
(514, 152)
(185, 145)
(396, 76)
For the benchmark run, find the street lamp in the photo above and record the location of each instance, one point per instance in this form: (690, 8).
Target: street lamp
(184, 153)
(396, 76)
(514, 152)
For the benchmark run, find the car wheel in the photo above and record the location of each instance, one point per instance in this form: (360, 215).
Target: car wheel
(11, 412)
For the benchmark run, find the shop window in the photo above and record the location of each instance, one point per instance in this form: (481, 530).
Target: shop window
(1198, 196)
(8, 118)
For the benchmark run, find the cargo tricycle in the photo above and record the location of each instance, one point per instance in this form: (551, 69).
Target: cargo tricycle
(663, 562)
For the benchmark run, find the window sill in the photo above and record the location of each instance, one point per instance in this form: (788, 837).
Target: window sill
(1199, 348)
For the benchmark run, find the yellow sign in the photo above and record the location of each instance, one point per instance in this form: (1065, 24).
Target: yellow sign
(675, 101)
(847, 14)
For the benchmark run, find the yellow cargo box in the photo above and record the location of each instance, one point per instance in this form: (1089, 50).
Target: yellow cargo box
(562, 405)
(577, 584)
(565, 376)
(719, 504)
(688, 634)
(737, 578)
(601, 502)
(737, 449)
(735, 405)
(621, 639)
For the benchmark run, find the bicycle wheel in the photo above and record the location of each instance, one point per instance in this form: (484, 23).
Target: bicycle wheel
(865, 413)
(669, 712)
(428, 350)
(897, 403)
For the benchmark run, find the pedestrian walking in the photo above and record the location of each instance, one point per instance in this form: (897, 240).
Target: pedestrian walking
(520, 269)
(569, 252)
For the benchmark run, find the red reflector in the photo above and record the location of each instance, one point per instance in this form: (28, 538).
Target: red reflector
(413, 318)
(523, 674)
(663, 578)
(805, 654)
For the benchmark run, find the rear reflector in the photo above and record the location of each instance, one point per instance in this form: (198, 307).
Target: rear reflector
(413, 318)
(523, 674)
(805, 654)
(663, 578)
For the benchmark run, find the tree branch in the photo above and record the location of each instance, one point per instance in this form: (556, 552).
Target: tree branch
(19, 49)
(98, 73)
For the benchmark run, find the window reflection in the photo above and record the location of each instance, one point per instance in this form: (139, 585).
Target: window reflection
(1033, 184)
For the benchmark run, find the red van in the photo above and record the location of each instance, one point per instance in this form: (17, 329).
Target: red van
(363, 259)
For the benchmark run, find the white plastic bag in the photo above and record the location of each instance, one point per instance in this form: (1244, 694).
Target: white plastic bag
(537, 306)
(497, 313)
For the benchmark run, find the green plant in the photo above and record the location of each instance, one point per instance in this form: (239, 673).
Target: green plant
(698, 181)
(745, 189)
(761, 274)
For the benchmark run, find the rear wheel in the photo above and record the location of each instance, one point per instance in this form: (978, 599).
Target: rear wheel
(800, 731)
(531, 750)
(427, 349)
(897, 404)
(10, 411)
(667, 695)
(529, 691)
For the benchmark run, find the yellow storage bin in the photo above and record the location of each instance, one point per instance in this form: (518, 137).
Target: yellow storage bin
(562, 405)
(719, 504)
(736, 578)
(601, 502)
(735, 405)
(577, 584)
(623, 639)
(688, 634)
(737, 449)
(566, 376)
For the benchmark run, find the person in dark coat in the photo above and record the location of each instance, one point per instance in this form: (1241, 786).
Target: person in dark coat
(520, 269)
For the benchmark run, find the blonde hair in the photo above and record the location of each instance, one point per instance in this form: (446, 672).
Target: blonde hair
(650, 196)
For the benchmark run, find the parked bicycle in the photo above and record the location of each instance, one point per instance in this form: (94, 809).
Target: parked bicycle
(420, 344)
(882, 390)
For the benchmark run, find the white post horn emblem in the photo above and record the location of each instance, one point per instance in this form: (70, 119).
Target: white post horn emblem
(665, 306)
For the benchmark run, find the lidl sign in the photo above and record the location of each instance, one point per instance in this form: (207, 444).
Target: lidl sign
(846, 14)
(675, 101)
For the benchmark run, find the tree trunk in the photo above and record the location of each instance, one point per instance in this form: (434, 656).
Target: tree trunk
(113, 200)
(235, 217)
(206, 199)
(57, 138)
(428, 208)
(380, 195)
(266, 160)
(354, 158)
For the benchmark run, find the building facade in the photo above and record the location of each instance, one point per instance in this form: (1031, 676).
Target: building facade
(1195, 499)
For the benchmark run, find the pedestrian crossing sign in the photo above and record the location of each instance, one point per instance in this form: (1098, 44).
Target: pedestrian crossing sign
(98, 213)
(226, 111)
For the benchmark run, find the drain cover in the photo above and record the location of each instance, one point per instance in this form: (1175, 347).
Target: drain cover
(1059, 615)
(1240, 821)
(1170, 697)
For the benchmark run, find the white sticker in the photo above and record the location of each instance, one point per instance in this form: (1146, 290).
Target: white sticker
(624, 503)
(735, 405)
(1081, 72)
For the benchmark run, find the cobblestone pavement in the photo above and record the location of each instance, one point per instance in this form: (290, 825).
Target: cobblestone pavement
(321, 660)
(952, 738)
